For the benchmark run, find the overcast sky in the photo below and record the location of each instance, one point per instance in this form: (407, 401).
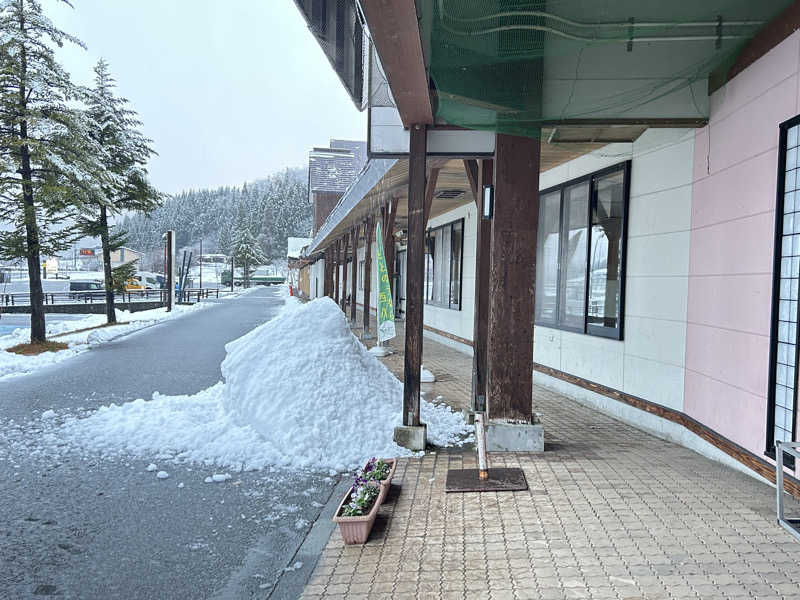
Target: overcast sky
(229, 91)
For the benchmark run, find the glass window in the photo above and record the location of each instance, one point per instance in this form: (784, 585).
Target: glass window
(456, 243)
(573, 260)
(605, 255)
(547, 257)
(444, 250)
(580, 254)
(783, 367)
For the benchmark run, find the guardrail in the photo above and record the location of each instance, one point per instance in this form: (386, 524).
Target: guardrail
(85, 297)
(792, 525)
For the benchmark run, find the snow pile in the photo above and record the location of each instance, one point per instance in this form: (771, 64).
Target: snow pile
(16, 364)
(300, 391)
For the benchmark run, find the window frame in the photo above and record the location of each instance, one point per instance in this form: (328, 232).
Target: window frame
(615, 333)
(429, 286)
(788, 460)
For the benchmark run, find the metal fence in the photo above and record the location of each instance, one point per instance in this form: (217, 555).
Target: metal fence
(99, 296)
(790, 524)
(198, 294)
(85, 297)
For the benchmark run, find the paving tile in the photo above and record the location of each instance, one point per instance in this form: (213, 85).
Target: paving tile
(612, 513)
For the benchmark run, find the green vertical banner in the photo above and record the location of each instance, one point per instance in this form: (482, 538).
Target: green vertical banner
(386, 329)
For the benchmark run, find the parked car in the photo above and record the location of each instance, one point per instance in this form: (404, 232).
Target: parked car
(150, 281)
(85, 286)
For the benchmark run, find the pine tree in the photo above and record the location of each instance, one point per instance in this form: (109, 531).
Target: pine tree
(122, 274)
(246, 251)
(114, 127)
(49, 162)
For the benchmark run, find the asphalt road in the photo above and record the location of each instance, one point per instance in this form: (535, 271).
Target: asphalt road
(80, 526)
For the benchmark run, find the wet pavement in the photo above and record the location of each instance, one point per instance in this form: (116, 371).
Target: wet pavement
(81, 526)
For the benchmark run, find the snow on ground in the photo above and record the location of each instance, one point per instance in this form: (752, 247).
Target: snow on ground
(300, 391)
(16, 364)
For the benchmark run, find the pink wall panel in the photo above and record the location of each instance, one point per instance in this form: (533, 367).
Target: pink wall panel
(750, 313)
(732, 412)
(735, 193)
(736, 358)
(731, 246)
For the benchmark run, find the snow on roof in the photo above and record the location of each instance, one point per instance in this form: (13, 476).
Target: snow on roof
(334, 169)
(295, 246)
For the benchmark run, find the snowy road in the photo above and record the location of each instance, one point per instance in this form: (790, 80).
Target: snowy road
(80, 526)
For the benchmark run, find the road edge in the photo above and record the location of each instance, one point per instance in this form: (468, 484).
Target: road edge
(291, 583)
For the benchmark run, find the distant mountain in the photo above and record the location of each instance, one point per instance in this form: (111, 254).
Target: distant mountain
(273, 209)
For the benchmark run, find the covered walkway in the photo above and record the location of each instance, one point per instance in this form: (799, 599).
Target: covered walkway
(612, 512)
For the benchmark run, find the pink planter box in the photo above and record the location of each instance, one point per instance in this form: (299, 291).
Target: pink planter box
(355, 530)
(392, 466)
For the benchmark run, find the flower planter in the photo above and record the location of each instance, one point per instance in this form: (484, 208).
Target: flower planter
(392, 466)
(355, 530)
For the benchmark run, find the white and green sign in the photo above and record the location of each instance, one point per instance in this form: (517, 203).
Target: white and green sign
(386, 329)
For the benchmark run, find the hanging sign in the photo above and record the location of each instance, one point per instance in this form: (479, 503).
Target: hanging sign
(386, 330)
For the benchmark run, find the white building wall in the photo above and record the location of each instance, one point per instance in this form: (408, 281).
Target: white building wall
(458, 322)
(649, 361)
(373, 296)
(316, 280)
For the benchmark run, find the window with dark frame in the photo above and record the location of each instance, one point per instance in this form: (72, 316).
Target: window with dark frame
(782, 407)
(444, 249)
(580, 253)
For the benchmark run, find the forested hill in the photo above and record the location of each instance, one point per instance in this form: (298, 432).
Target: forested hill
(272, 209)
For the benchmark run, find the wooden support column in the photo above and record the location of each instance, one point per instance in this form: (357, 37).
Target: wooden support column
(415, 273)
(483, 176)
(512, 279)
(354, 275)
(327, 283)
(336, 281)
(369, 230)
(344, 273)
(430, 190)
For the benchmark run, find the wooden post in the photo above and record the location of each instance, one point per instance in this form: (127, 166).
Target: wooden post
(430, 190)
(327, 283)
(354, 275)
(336, 280)
(512, 279)
(481, 323)
(369, 229)
(388, 242)
(170, 269)
(344, 272)
(415, 274)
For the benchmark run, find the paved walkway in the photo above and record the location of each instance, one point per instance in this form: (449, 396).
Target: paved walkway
(611, 512)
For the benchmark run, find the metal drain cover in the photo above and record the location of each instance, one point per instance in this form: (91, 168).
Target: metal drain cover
(500, 480)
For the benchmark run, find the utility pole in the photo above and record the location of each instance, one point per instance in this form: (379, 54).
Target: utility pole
(232, 271)
(201, 262)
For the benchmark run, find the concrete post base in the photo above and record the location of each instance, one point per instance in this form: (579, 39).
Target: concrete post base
(413, 438)
(512, 437)
(469, 416)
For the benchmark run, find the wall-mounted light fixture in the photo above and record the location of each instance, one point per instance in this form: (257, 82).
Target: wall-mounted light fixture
(488, 201)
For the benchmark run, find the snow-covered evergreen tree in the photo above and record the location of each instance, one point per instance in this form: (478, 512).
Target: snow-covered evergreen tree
(50, 165)
(277, 208)
(246, 249)
(115, 128)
